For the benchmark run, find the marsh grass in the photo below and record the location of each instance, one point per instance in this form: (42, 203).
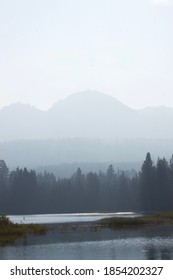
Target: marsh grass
(156, 219)
(9, 231)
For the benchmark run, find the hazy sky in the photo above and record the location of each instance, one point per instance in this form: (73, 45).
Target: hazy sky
(50, 49)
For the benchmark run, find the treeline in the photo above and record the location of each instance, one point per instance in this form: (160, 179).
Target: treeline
(24, 192)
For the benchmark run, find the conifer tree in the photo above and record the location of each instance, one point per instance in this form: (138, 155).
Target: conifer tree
(148, 185)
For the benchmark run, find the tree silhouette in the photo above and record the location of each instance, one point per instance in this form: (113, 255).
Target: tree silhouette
(148, 184)
(4, 172)
(25, 192)
(163, 185)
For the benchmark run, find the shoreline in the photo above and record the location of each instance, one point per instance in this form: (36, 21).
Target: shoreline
(10, 232)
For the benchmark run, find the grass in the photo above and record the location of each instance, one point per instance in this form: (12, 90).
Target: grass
(9, 231)
(156, 219)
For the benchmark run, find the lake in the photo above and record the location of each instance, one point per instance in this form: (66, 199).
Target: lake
(67, 218)
(73, 236)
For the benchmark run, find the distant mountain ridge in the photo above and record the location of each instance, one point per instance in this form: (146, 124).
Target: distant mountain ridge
(88, 114)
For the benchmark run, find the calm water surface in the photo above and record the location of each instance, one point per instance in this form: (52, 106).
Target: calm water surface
(85, 242)
(67, 218)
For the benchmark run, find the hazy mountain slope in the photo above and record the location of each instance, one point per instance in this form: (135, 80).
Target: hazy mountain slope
(20, 121)
(88, 114)
(85, 114)
(85, 127)
(160, 111)
(159, 121)
(33, 153)
(93, 114)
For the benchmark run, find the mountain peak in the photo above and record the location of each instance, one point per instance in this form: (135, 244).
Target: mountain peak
(90, 98)
(18, 106)
(89, 113)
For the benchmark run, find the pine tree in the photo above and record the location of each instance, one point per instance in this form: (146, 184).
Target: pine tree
(148, 185)
(163, 185)
(4, 171)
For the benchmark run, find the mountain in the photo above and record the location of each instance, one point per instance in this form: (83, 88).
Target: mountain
(92, 114)
(20, 121)
(88, 114)
(158, 121)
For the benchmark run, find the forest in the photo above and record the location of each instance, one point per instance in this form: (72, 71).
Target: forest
(24, 191)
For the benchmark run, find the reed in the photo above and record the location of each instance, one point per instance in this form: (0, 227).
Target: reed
(156, 219)
(10, 231)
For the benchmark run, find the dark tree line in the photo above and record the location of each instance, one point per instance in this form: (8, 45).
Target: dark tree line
(23, 191)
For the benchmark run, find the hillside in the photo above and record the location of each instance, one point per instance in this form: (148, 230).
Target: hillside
(88, 114)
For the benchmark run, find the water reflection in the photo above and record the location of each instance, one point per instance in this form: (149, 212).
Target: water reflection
(149, 243)
(166, 254)
(151, 253)
(160, 249)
